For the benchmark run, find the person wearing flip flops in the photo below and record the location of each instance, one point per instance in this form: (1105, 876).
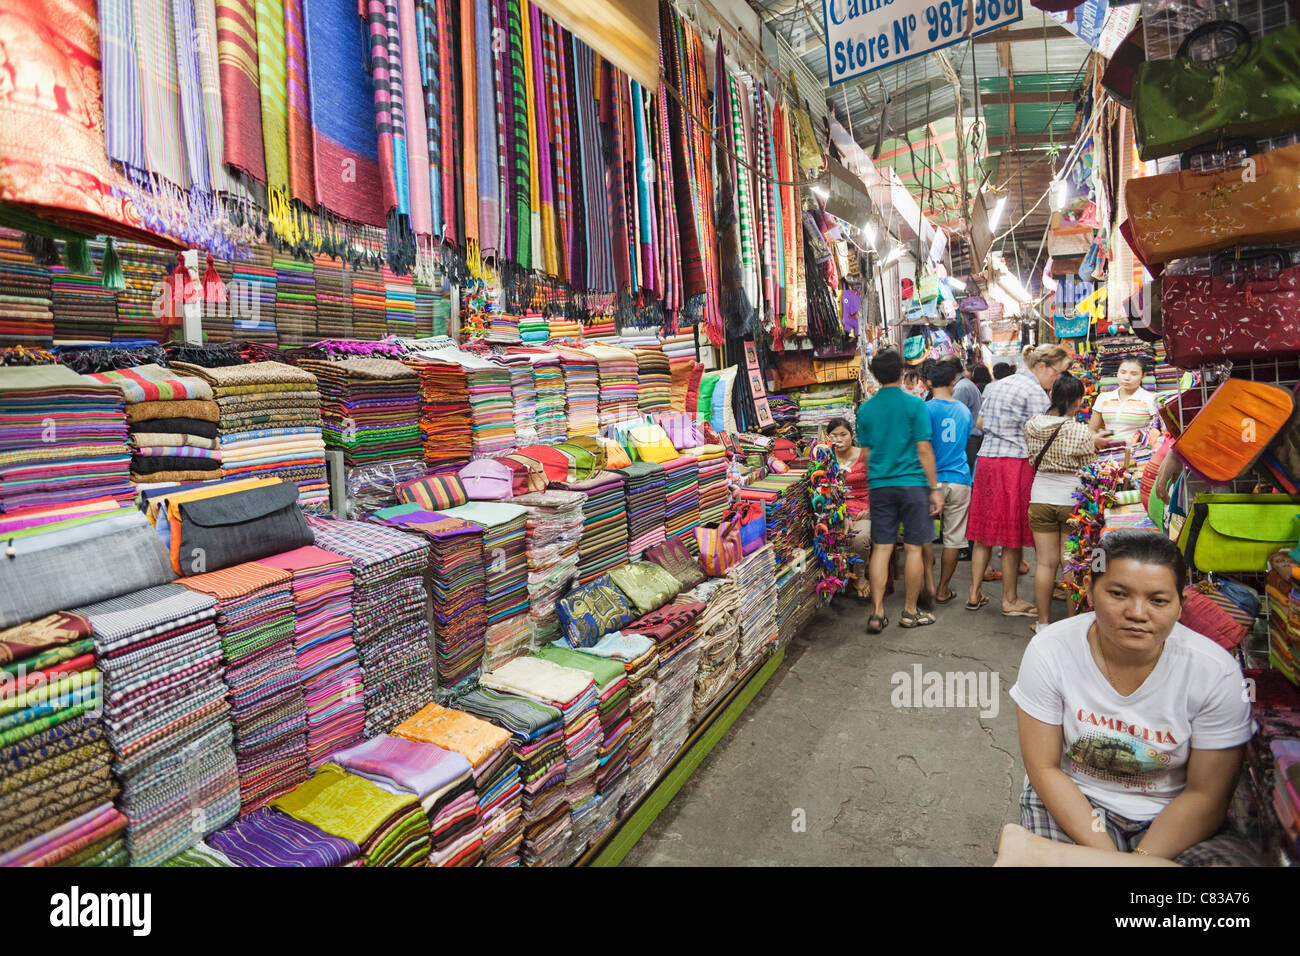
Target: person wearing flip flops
(950, 424)
(894, 434)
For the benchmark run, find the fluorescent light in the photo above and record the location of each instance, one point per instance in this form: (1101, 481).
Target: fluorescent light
(869, 230)
(998, 210)
(957, 284)
(821, 192)
(1060, 193)
(895, 255)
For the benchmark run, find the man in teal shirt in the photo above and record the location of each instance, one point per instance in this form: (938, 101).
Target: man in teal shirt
(894, 433)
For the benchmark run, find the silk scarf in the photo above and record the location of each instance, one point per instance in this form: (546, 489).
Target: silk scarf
(302, 182)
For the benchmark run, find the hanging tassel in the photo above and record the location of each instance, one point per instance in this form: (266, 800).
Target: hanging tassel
(76, 256)
(111, 276)
(473, 258)
(41, 248)
(214, 290)
(624, 310)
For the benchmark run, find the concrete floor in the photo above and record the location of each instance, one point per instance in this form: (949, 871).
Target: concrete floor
(823, 770)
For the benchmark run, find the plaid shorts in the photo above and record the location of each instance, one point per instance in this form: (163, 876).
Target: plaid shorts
(1222, 849)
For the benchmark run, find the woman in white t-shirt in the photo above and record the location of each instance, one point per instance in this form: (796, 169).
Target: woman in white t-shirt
(1128, 409)
(1132, 726)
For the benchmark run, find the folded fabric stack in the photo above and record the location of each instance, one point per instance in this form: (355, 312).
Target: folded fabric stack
(445, 421)
(755, 579)
(167, 717)
(537, 732)
(534, 330)
(561, 328)
(581, 390)
(390, 625)
(442, 780)
(370, 408)
(269, 837)
(548, 384)
(613, 707)
(327, 659)
(675, 631)
(683, 514)
(57, 762)
(523, 396)
(646, 491)
(797, 597)
(270, 424)
(496, 773)
(503, 329)
(604, 524)
(172, 420)
(715, 490)
(62, 438)
(93, 839)
(256, 279)
(369, 305)
(458, 576)
(493, 427)
(26, 305)
(787, 510)
(390, 829)
(84, 311)
(719, 637)
(553, 531)
(574, 693)
(333, 297)
(295, 301)
(654, 393)
(399, 303)
(142, 267)
(267, 707)
(619, 383)
(199, 855)
(680, 345)
(504, 547)
(784, 409)
(820, 404)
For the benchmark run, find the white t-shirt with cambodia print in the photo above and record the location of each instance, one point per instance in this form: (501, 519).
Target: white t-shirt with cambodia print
(1129, 754)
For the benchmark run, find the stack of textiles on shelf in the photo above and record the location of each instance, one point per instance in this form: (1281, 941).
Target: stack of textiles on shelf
(630, 339)
(534, 330)
(639, 657)
(26, 305)
(784, 409)
(270, 424)
(172, 420)
(755, 579)
(1282, 590)
(683, 514)
(504, 547)
(605, 333)
(93, 839)
(618, 383)
(787, 510)
(269, 837)
(64, 438)
(574, 694)
(370, 408)
(507, 639)
(562, 328)
(537, 731)
(553, 531)
(490, 400)
(548, 385)
(399, 303)
(719, 637)
(333, 298)
(327, 659)
(715, 491)
(267, 707)
(457, 585)
(790, 594)
(655, 375)
(390, 626)
(503, 329)
(754, 449)
(675, 631)
(497, 784)
(613, 708)
(681, 345)
(57, 762)
(167, 717)
(820, 403)
(254, 318)
(523, 396)
(646, 489)
(1167, 376)
(1271, 758)
(445, 420)
(805, 606)
(369, 305)
(1113, 350)
(84, 311)
(145, 269)
(428, 302)
(581, 390)
(604, 524)
(389, 829)
(442, 780)
(295, 301)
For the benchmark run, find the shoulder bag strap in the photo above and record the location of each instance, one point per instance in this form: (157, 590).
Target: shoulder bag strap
(1047, 444)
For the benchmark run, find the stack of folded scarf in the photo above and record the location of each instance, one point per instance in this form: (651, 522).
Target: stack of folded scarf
(457, 585)
(442, 780)
(369, 305)
(62, 438)
(295, 301)
(255, 624)
(333, 297)
(269, 837)
(93, 839)
(820, 404)
(548, 386)
(326, 656)
(256, 279)
(654, 373)
(553, 530)
(270, 424)
(715, 491)
(619, 383)
(675, 631)
(504, 546)
(562, 328)
(497, 784)
(370, 408)
(787, 510)
(537, 731)
(167, 717)
(581, 390)
(493, 418)
(604, 524)
(84, 311)
(506, 639)
(719, 635)
(683, 514)
(26, 302)
(57, 763)
(646, 489)
(574, 693)
(390, 829)
(523, 395)
(755, 579)
(390, 626)
(399, 303)
(534, 330)
(446, 424)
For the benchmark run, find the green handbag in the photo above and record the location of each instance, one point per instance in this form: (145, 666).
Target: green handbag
(1180, 103)
(1237, 533)
(927, 290)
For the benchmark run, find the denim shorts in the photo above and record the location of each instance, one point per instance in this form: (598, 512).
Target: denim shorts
(909, 507)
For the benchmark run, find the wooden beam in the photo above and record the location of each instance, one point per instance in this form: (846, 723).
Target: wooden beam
(1055, 32)
(1010, 99)
(1004, 57)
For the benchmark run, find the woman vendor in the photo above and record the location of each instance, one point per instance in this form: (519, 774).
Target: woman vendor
(851, 460)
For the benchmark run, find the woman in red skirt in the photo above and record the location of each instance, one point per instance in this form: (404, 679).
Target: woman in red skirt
(999, 510)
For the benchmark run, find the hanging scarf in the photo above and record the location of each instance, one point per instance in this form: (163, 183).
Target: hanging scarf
(190, 88)
(778, 214)
(302, 183)
(542, 98)
(123, 111)
(426, 14)
(504, 99)
(766, 175)
(580, 272)
(645, 175)
(449, 118)
(671, 257)
(417, 134)
(470, 108)
(272, 84)
(744, 195)
(790, 210)
(692, 270)
(517, 165)
(627, 138)
(381, 80)
(612, 120)
(489, 174)
(557, 117)
(595, 196)
(530, 110)
(736, 309)
(240, 98)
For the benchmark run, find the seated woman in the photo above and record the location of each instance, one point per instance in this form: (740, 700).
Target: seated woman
(1132, 726)
(1128, 411)
(850, 458)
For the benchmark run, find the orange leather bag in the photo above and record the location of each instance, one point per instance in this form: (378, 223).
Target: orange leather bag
(1230, 433)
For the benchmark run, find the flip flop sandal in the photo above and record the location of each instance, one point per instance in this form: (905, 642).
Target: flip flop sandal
(984, 599)
(948, 600)
(1023, 612)
(873, 628)
(919, 619)
(992, 575)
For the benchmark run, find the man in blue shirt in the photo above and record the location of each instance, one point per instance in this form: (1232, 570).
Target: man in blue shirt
(894, 433)
(950, 424)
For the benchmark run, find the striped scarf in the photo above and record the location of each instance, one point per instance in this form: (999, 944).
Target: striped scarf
(382, 75)
(449, 154)
(190, 88)
(595, 199)
(237, 70)
(489, 178)
(302, 182)
(505, 129)
(417, 136)
(530, 107)
(557, 116)
(470, 109)
(735, 306)
(611, 114)
(517, 164)
(767, 196)
(744, 194)
(272, 82)
(645, 178)
(542, 97)
(205, 31)
(426, 15)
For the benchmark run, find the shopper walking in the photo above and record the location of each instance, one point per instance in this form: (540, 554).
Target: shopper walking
(999, 513)
(967, 392)
(853, 462)
(894, 433)
(950, 425)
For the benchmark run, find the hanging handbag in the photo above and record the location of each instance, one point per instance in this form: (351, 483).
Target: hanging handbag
(915, 348)
(973, 303)
(651, 444)
(1181, 103)
(1074, 327)
(1237, 533)
(927, 290)
(720, 546)
(1256, 199)
(1231, 432)
(1209, 318)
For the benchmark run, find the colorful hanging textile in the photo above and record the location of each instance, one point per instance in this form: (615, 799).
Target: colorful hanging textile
(302, 183)
(489, 171)
(744, 194)
(530, 108)
(611, 115)
(547, 246)
(555, 80)
(272, 82)
(450, 160)
(668, 230)
(241, 108)
(736, 309)
(647, 244)
(426, 15)
(190, 89)
(417, 137)
(470, 110)
(207, 45)
(516, 165)
(594, 198)
(384, 78)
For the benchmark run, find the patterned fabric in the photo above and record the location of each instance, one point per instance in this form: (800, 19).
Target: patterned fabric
(54, 630)
(1007, 405)
(589, 612)
(153, 383)
(1070, 449)
(434, 493)
(596, 239)
(470, 110)
(417, 138)
(240, 97)
(302, 180)
(426, 16)
(517, 162)
(489, 171)
(190, 88)
(272, 81)
(384, 77)
(270, 838)
(454, 730)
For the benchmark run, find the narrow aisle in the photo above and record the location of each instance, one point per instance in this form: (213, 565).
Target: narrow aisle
(876, 784)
